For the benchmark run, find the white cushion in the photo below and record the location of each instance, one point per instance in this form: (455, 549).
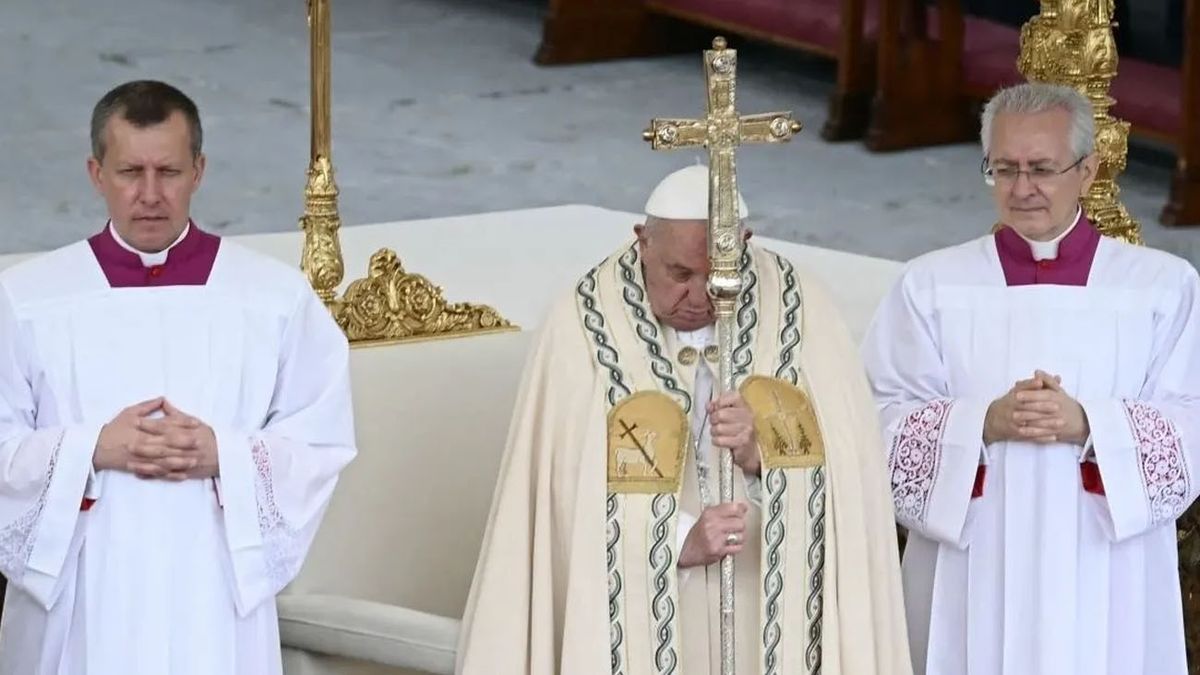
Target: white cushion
(368, 631)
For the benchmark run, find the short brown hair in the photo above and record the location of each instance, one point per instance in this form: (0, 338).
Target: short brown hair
(144, 103)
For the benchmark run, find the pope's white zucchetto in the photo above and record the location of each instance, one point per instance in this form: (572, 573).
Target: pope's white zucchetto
(683, 195)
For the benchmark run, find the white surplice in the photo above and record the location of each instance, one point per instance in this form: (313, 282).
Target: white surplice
(161, 578)
(1038, 576)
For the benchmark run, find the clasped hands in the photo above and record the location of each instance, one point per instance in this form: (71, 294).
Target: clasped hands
(175, 446)
(721, 529)
(1036, 410)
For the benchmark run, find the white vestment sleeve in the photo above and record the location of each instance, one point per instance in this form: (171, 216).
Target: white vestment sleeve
(934, 441)
(92, 488)
(686, 522)
(43, 475)
(754, 489)
(276, 481)
(1148, 448)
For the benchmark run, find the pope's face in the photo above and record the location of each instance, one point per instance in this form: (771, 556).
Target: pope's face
(1038, 181)
(147, 178)
(675, 265)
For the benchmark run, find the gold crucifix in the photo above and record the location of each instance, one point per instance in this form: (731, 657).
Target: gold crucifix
(722, 130)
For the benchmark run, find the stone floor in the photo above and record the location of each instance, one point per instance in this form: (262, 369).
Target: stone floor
(439, 110)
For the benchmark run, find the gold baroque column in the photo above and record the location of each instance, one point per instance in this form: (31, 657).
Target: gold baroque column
(390, 304)
(1071, 42)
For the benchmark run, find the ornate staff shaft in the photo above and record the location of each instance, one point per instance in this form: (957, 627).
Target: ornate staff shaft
(724, 281)
(725, 286)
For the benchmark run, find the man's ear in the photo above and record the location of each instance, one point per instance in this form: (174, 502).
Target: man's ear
(1091, 169)
(642, 231)
(199, 163)
(93, 171)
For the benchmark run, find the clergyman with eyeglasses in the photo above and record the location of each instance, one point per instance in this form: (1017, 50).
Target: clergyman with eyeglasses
(1040, 396)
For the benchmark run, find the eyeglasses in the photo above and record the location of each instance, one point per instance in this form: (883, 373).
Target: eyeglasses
(1008, 175)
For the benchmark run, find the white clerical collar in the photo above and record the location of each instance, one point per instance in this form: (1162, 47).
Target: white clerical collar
(1048, 250)
(699, 338)
(148, 259)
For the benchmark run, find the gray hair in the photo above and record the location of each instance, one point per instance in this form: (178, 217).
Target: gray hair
(1037, 97)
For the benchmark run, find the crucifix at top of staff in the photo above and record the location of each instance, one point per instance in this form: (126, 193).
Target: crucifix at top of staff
(722, 130)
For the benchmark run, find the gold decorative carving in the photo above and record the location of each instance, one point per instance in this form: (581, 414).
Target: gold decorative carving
(322, 257)
(1071, 42)
(389, 305)
(392, 305)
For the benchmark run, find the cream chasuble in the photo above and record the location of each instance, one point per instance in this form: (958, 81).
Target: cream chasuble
(578, 568)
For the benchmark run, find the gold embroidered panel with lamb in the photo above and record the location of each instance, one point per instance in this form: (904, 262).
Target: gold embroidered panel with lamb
(647, 436)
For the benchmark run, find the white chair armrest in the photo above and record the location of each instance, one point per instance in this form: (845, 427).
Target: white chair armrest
(368, 631)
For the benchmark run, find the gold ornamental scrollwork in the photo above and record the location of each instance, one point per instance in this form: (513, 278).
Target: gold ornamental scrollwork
(1071, 43)
(322, 258)
(390, 304)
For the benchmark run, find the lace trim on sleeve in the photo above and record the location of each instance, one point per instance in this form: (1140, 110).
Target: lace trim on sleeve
(914, 459)
(17, 539)
(278, 536)
(1160, 458)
